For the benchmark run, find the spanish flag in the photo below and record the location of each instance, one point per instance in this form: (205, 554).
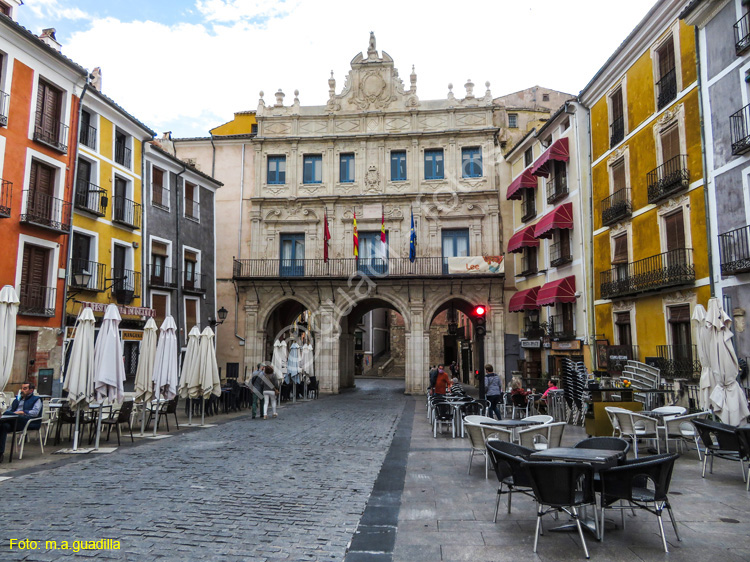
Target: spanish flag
(356, 237)
(326, 238)
(382, 235)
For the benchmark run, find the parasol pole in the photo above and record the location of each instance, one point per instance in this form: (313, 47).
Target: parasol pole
(203, 411)
(75, 437)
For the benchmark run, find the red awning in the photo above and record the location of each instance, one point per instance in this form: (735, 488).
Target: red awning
(525, 181)
(524, 300)
(561, 290)
(560, 217)
(558, 151)
(523, 239)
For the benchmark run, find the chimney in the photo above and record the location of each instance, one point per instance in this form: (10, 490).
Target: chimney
(96, 79)
(166, 143)
(48, 37)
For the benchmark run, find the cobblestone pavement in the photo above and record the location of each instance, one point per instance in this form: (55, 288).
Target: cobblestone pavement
(293, 488)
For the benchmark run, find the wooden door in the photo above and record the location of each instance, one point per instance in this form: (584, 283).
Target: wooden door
(34, 275)
(118, 267)
(120, 200)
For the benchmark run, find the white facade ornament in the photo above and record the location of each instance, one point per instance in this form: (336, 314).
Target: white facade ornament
(469, 89)
(279, 98)
(372, 178)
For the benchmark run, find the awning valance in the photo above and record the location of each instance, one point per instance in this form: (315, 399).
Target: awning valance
(560, 217)
(560, 290)
(523, 239)
(557, 151)
(525, 181)
(524, 300)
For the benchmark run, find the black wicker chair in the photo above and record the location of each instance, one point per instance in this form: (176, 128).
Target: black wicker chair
(507, 460)
(719, 440)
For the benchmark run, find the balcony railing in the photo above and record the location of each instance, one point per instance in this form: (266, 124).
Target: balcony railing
(122, 154)
(126, 285)
(192, 210)
(618, 356)
(344, 268)
(529, 207)
(36, 300)
(617, 131)
(616, 207)
(87, 136)
(46, 211)
(560, 254)
(678, 361)
(649, 274)
(51, 132)
(742, 34)
(557, 187)
(161, 276)
(127, 212)
(558, 330)
(739, 126)
(4, 103)
(90, 197)
(159, 196)
(666, 89)
(97, 271)
(734, 248)
(529, 264)
(668, 179)
(532, 330)
(193, 282)
(6, 197)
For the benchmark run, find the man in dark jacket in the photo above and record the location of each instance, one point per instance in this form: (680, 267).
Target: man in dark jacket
(256, 387)
(26, 408)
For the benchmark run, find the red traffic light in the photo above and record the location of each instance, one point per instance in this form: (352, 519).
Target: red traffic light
(479, 310)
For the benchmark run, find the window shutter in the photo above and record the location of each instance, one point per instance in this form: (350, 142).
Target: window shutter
(621, 250)
(159, 249)
(622, 318)
(670, 144)
(675, 231)
(618, 175)
(616, 98)
(34, 266)
(679, 314)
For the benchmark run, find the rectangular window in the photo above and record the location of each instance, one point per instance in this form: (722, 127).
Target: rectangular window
(191, 314)
(682, 341)
(87, 135)
(471, 162)
(622, 324)
(159, 254)
(618, 176)
(312, 168)
(41, 205)
(122, 150)
(35, 296)
(276, 170)
(455, 244)
(192, 206)
(398, 165)
(160, 304)
(48, 127)
(159, 196)
(80, 261)
(346, 168)
(545, 97)
(292, 253)
(433, 164)
(513, 120)
(373, 255)
(190, 270)
(666, 85)
(528, 204)
(617, 119)
(620, 253)
(528, 157)
(670, 144)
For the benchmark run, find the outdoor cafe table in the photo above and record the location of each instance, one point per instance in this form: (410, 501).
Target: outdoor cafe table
(513, 425)
(599, 459)
(5, 418)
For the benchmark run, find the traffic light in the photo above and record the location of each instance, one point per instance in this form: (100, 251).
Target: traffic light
(480, 319)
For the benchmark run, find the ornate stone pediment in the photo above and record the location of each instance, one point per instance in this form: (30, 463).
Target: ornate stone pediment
(293, 213)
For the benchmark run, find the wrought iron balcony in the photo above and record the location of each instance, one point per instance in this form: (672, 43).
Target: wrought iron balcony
(669, 269)
(557, 187)
(126, 285)
(122, 154)
(666, 89)
(739, 126)
(678, 361)
(558, 330)
(51, 132)
(617, 131)
(46, 211)
(161, 276)
(192, 210)
(618, 356)
(742, 34)
(533, 330)
(616, 207)
(345, 268)
(87, 136)
(669, 178)
(529, 206)
(36, 300)
(560, 254)
(97, 273)
(734, 248)
(529, 264)
(193, 282)
(91, 198)
(126, 212)
(6, 197)
(4, 103)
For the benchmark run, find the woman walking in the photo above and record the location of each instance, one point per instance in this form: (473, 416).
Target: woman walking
(270, 390)
(493, 390)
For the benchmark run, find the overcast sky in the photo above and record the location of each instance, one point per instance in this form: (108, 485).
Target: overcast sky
(187, 65)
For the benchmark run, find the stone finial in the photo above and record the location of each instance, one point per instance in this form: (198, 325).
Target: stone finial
(331, 85)
(487, 93)
(450, 92)
(96, 79)
(296, 96)
(413, 79)
(469, 88)
(279, 98)
(372, 51)
(261, 102)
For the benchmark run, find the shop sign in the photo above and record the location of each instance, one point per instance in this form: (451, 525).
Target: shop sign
(573, 345)
(531, 344)
(476, 264)
(131, 335)
(124, 310)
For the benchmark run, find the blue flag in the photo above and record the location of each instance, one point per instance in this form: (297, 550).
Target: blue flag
(412, 240)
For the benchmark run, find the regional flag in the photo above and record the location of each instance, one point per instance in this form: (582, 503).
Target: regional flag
(326, 238)
(382, 235)
(356, 237)
(412, 240)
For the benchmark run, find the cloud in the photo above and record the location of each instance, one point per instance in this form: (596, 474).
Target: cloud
(234, 10)
(52, 10)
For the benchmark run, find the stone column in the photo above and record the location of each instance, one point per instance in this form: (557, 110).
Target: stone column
(254, 335)
(326, 349)
(417, 351)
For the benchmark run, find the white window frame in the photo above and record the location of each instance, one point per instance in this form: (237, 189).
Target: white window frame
(621, 85)
(626, 228)
(64, 104)
(95, 122)
(198, 263)
(196, 199)
(165, 177)
(617, 157)
(161, 294)
(673, 118)
(672, 33)
(129, 255)
(168, 243)
(631, 308)
(678, 299)
(59, 188)
(665, 211)
(128, 144)
(197, 300)
(52, 274)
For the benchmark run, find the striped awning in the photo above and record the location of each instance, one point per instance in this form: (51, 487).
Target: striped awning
(560, 290)
(560, 217)
(523, 239)
(524, 300)
(557, 151)
(525, 181)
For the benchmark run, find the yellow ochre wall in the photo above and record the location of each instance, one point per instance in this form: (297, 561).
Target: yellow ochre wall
(242, 124)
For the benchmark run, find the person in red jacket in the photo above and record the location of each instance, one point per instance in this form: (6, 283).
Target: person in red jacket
(443, 382)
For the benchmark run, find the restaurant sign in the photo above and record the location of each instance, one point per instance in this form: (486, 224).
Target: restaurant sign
(477, 264)
(124, 310)
(572, 345)
(531, 344)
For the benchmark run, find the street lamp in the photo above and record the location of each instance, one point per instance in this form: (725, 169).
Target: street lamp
(222, 314)
(82, 278)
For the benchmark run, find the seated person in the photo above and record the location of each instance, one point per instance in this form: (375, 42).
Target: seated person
(541, 404)
(28, 407)
(517, 393)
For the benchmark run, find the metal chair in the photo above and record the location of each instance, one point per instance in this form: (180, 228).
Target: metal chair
(561, 486)
(33, 424)
(540, 437)
(507, 460)
(743, 434)
(469, 409)
(606, 443)
(635, 426)
(442, 415)
(680, 429)
(645, 484)
(165, 410)
(476, 440)
(545, 419)
(719, 440)
(119, 417)
(520, 405)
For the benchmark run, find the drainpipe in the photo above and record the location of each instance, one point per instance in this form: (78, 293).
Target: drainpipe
(177, 241)
(705, 168)
(239, 243)
(144, 225)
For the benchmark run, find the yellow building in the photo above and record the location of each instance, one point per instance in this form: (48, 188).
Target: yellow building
(105, 254)
(650, 259)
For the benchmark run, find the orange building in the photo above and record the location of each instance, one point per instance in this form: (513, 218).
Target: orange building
(39, 110)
